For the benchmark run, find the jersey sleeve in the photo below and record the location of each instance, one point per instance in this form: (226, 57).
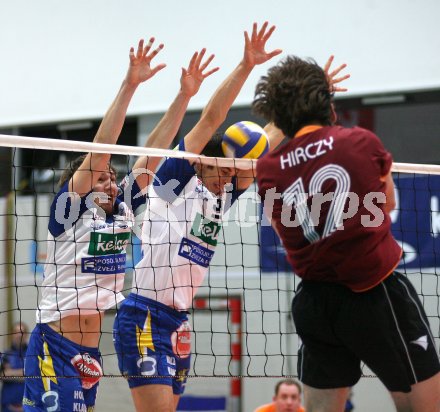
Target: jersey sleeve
(61, 209)
(130, 193)
(381, 158)
(172, 176)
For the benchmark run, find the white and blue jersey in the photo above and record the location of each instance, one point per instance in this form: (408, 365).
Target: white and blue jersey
(86, 255)
(180, 230)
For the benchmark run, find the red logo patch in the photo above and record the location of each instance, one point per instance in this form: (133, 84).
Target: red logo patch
(89, 369)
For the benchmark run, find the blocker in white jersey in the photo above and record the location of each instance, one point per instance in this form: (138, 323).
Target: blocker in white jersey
(85, 265)
(89, 230)
(179, 234)
(84, 276)
(180, 230)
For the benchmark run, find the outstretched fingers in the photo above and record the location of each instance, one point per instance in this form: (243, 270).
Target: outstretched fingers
(142, 52)
(154, 53)
(208, 73)
(192, 62)
(198, 65)
(336, 71)
(340, 79)
(193, 76)
(254, 32)
(274, 53)
(331, 76)
(328, 64)
(265, 38)
(261, 33)
(254, 52)
(207, 62)
(157, 68)
(131, 55)
(140, 48)
(247, 40)
(140, 68)
(148, 46)
(200, 57)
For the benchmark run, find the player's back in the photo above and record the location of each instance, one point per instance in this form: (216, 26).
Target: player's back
(331, 178)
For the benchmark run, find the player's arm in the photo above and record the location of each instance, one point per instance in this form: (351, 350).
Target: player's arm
(139, 71)
(389, 192)
(164, 132)
(218, 106)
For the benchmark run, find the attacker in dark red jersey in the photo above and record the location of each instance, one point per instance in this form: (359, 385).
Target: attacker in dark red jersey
(328, 192)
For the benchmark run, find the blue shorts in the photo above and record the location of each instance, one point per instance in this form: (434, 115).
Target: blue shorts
(144, 335)
(50, 354)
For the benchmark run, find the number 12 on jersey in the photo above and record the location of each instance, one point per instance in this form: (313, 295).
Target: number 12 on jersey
(297, 196)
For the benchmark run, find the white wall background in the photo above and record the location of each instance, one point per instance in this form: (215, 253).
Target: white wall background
(65, 60)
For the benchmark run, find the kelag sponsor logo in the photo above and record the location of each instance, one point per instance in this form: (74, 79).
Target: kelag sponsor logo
(195, 253)
(107, 243)
(205, 229)
(104, 265)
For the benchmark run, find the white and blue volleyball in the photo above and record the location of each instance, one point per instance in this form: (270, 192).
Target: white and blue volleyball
(245, 140)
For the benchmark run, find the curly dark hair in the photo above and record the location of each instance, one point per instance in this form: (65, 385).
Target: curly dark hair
(293, 94)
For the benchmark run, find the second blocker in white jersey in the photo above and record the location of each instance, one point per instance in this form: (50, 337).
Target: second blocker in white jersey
(180, 229)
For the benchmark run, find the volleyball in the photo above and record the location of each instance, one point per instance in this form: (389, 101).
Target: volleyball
(245, 140)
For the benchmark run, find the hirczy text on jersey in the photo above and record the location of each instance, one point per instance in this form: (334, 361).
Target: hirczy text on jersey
(303, 154)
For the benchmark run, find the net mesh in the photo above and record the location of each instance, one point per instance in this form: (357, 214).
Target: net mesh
(249, 268)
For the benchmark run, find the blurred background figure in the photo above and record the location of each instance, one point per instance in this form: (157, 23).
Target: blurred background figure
(349, 406)
(11, 364)
(287, 398)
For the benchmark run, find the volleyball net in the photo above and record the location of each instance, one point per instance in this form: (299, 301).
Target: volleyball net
(241, 317)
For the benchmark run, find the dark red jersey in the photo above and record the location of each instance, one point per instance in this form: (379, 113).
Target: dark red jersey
(324, 195)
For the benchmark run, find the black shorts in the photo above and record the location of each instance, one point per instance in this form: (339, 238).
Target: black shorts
(385, 327)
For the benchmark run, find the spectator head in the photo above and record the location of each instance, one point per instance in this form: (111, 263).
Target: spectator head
(287, 396)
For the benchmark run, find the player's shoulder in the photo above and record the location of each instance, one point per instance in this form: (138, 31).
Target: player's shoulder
(355, 132)
(354, 137)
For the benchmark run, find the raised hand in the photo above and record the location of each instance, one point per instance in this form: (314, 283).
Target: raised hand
(140, 68)
(331, 77)
(193, 76)
(254, 52)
